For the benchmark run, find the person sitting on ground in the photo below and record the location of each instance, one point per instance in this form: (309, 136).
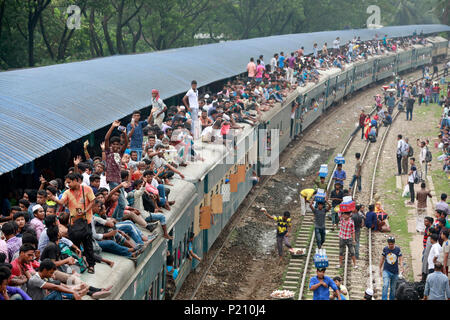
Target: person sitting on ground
(382, 219)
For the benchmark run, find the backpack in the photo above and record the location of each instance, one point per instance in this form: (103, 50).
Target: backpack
(372, 138)
(67, 252)
(428, 156)
(417, 177)
(410, 151)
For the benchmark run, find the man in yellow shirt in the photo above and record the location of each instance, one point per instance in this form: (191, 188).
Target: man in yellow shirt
(305, 196)
(284, 225)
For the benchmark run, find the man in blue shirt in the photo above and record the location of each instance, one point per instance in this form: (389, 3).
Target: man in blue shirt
(437, 285)
(137, 136)
(339, 175)
(281, 60)
(320, 285)
(371, 218)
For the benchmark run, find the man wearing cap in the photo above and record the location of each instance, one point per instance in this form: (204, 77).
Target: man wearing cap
(368, 294)
(346, 238)
(390, 261)
(321, 284)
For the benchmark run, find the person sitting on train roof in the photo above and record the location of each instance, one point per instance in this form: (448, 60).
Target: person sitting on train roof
(111, 239)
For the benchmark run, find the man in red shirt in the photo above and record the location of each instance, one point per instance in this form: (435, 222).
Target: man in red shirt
(346, 238)
(22, 268)
(362, 118)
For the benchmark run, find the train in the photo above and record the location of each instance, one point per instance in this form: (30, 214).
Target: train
(213, 189)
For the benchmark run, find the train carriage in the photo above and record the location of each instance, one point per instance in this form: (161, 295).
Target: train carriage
(205, 179)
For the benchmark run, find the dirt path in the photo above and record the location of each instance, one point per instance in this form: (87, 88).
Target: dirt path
(248, 267)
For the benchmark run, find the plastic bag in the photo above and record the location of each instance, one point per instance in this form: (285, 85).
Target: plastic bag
(405, 193)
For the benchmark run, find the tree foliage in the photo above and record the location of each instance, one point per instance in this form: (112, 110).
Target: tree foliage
(36, 33)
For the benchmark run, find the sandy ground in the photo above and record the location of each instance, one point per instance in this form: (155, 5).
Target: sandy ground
(248, 267)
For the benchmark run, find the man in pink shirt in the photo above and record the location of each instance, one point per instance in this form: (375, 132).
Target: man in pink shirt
(251, 69)
(37, 222)
(259, 71)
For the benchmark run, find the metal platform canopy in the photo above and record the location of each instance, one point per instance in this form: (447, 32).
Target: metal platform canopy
(45, 108)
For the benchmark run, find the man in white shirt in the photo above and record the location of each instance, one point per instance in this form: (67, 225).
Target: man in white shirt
(273, 63)
(422, 156)
(400, 149)
(212, 133)
(190, 100)
(336, 44)
(435, 252)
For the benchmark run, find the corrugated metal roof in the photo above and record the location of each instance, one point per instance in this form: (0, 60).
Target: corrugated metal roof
(45, 108)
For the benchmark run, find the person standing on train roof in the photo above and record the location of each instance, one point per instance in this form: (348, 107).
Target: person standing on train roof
(284, 225)
(190, 100)
(274, 63)
(158, 109)
(281, 59)
(136, 136)
(251, 69)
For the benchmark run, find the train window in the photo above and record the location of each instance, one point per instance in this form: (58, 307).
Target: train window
(158, 287)
(150, 292)
(163, 284)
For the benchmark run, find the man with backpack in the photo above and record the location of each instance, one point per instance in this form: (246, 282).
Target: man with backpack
(401, 151)
(405, 159)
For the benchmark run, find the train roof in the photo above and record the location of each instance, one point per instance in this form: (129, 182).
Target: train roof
(45, 108)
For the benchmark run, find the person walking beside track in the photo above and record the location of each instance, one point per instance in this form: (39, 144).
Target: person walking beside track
(390, 261)
(347, 238)
(357, 175)
(319, 221)
(283, 229)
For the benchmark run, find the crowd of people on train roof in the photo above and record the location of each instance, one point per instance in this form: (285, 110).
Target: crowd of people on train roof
(118, 201)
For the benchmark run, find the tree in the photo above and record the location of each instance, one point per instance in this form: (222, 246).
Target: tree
(35, 8)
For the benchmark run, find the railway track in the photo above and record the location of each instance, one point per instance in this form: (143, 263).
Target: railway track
(355, 280)
(296, 271)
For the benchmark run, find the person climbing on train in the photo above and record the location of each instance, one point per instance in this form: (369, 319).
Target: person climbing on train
(191, 253)
(284, 225)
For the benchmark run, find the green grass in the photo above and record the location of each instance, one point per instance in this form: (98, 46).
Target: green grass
(440, 181)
